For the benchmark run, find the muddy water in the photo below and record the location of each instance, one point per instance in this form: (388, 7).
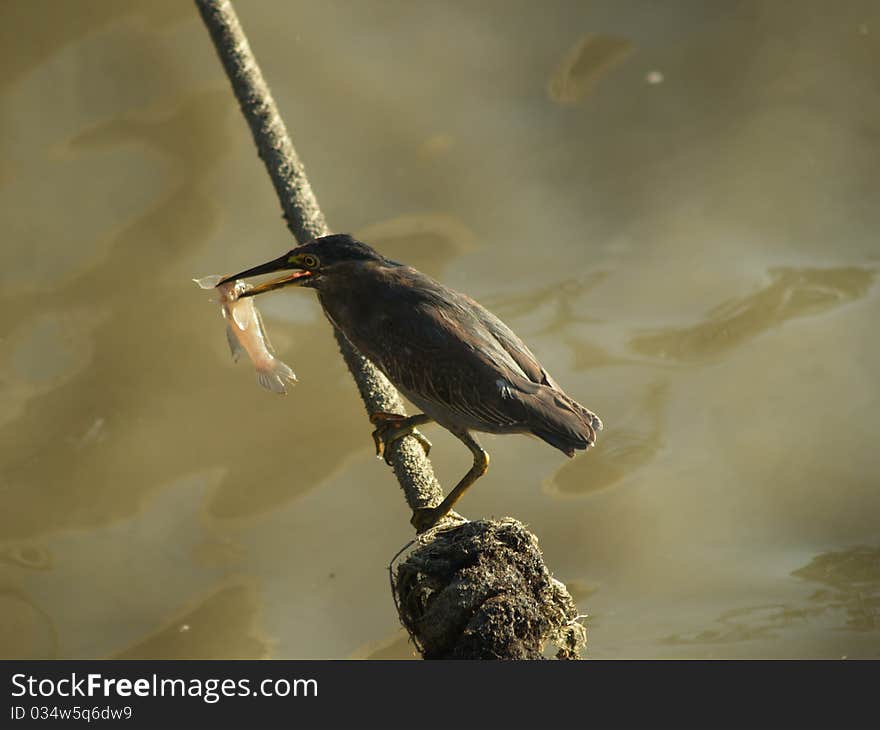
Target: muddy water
(675, 207)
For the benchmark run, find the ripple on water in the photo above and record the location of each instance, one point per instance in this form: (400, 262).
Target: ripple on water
(224, 625)
(591, 58)
(626, 445)
(848, 599)
(62, 206)
(428, 241)
(27, 555)
(26, 632)
(791, 293)
(45, 352)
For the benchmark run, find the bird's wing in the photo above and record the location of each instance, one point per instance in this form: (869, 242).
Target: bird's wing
(456, 358)
(457, 317)
(463, 322)
(515, 348)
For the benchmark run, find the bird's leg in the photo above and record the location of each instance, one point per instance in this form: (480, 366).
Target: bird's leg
(392, 426)
(424, 519)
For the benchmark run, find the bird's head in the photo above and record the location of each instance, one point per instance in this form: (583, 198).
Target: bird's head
(312, 263)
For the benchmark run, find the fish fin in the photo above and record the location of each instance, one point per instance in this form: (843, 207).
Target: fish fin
(261, 331)
(234, 345)
(285, 372)
(277, 378)
(238, 318)
(208, 282)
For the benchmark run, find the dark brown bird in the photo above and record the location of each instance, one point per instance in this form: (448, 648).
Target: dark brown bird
(456, 361)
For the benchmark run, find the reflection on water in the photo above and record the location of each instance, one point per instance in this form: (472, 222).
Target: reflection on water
(155, 502)
(628, 445)
(850, 601)
(28, 39)
(27, 555)
(852, 580)
(747, 624)
(558, 308)
(61, 491)
(43, 251)
(561, 298)
(397, 646)
(219, 552)
(581, 589)
(792, 293)
(223, 626)
(43, 353)
(591, 58)
(435, 146)
(427, 241)
(26, 631)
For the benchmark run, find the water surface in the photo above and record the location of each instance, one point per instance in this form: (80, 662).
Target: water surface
(679, 217)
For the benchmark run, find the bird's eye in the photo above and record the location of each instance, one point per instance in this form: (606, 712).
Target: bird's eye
(309, 261)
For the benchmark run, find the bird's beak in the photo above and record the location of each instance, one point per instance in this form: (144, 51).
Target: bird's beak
(283, 263)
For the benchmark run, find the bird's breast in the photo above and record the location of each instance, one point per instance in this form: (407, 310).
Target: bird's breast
(363, 323)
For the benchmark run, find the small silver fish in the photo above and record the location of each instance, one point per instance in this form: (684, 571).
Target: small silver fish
(245, 333)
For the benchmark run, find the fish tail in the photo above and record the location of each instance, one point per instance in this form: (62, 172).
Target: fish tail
(276, 377)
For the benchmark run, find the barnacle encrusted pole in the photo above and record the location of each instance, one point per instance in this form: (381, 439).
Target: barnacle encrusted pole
(507, 605)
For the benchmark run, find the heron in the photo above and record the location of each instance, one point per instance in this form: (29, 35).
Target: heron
(458, 363)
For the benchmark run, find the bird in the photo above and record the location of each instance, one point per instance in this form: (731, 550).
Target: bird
(458, 363)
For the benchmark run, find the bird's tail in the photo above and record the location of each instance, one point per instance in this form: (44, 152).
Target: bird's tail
(563, 422)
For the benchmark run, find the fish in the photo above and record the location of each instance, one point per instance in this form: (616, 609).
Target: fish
(245, 333)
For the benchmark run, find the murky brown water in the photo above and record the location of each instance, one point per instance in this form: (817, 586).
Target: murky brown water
(684, 229)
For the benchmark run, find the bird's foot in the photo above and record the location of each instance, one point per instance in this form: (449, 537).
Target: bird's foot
(424, 519)
(391, 427)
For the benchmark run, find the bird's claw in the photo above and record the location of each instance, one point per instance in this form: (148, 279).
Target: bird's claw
(389, 429)
(380, 418)
(424, 519)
